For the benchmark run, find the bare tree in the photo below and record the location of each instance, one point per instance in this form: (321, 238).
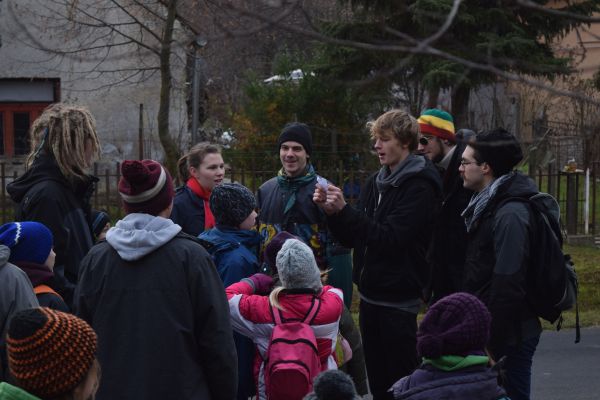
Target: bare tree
(118, 42)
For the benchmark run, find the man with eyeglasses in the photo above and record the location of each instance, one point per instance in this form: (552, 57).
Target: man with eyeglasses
(498, 251)
(439, 143)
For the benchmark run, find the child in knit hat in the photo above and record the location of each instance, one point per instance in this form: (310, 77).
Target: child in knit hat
(52, 355)
(232, 244)
(253, 314)
(349, 349)
(451, 341)
(31, 250)
(333, 385)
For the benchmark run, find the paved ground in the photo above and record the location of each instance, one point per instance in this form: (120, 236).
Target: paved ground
(564, 370)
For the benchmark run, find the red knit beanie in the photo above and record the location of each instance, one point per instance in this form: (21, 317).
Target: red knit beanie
(145, 187)
(49, 352)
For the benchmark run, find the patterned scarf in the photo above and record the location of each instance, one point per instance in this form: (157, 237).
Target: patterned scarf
(209, 219)
(294, 184)
(480, 200)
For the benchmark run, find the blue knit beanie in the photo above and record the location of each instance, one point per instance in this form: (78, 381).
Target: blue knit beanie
(28, 241)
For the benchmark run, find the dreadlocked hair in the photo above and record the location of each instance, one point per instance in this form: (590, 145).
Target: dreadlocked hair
(62, 132)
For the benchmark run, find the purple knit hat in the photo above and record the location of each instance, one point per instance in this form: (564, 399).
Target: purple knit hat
(145, 187)
(456, 325)
(271, 250)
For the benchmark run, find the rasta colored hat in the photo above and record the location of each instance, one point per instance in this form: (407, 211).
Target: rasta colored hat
(28, 241)
(297, 267)
(231, 204)
(296, 132)
(145, 187)
(271, 250)
(437, 123)
(500, 149)
(457, 325)
(49, 352)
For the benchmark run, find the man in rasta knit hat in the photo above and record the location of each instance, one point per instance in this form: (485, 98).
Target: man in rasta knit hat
(154, 297)
(439, 142)
(285, 204)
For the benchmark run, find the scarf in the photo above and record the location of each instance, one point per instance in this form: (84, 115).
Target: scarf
(294, 184)
(480, 200)
(198, 190)
(453, 363)
(37, 273)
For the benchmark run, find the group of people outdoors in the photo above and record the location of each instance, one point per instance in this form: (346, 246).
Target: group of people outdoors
(182, 296)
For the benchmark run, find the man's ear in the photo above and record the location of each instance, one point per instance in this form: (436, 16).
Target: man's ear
(486, 169)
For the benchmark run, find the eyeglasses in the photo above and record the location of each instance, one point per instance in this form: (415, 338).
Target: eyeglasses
(424, 140)
(465, 163)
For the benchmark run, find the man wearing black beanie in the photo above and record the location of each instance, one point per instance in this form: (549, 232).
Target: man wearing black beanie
(498, 251)
(285, 204)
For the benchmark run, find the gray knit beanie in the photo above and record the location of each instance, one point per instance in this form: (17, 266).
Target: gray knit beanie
(231, 203)
(297, 266)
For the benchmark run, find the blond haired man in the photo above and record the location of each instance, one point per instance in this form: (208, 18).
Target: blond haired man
(389, 230)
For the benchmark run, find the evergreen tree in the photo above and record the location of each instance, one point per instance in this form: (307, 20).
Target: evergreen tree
(499, 33)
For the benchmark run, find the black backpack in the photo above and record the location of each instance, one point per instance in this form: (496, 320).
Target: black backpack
(551, 279)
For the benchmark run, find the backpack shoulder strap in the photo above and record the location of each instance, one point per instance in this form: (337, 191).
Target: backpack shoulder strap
(312, 312)
(276, 315)
(42, 289)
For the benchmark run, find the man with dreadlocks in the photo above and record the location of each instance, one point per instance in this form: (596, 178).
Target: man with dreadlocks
(56, 187)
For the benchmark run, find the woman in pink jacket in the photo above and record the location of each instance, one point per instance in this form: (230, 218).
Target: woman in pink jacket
(301, 295)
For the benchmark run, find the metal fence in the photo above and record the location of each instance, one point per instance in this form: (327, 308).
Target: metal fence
(579, 203)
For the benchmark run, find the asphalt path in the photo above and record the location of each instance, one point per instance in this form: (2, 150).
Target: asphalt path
(563, 370)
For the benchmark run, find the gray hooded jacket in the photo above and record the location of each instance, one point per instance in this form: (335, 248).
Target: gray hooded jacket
(16, 294)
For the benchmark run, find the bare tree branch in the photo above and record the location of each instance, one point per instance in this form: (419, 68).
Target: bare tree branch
(427, 50)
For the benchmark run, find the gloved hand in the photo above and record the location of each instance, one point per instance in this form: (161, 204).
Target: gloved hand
(261, 283)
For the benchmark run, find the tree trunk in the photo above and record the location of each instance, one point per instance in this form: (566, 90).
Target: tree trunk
(167, 142)
(432, 97)
(460, 106)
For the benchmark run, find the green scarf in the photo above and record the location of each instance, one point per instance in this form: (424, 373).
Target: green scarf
(453, 363)
(294, 184)
(10, 392)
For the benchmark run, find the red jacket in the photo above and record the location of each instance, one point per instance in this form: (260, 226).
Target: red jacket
(251, 316)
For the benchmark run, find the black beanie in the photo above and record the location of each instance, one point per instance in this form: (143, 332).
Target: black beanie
(500, 149)
(231, 204)
(296, 132)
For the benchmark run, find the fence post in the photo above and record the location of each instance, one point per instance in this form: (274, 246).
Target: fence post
(97, 188)
(551, 182)
(586, 210)
(572, 203)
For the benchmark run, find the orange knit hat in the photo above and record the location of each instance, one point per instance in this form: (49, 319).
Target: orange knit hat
(49, 352)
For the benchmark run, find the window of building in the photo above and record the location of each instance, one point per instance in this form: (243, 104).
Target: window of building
(21, 102)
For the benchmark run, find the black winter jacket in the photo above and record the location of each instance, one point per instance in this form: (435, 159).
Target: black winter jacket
(449, 241)
(496, 265)
(188, 211)
(44, 195)
(162, 323)
(305, 220)
(390, 239)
